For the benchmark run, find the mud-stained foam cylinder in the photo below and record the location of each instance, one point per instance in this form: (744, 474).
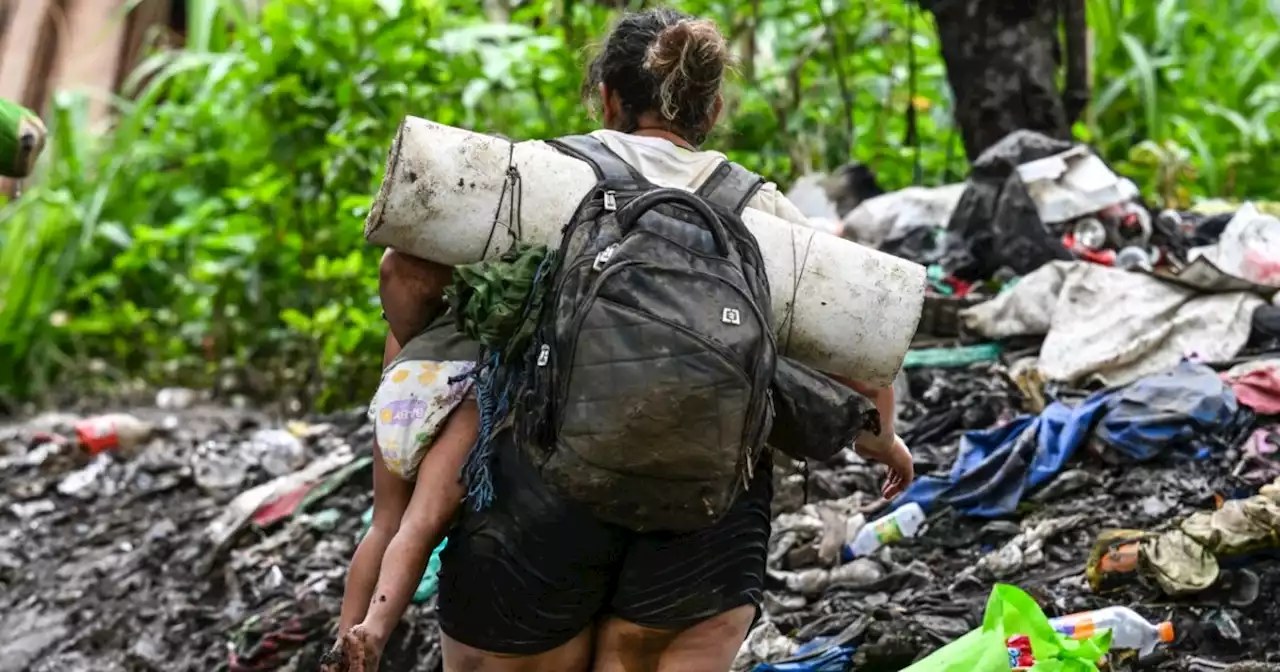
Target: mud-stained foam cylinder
(839, 307)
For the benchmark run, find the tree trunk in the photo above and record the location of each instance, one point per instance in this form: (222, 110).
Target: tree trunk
(1002, 63)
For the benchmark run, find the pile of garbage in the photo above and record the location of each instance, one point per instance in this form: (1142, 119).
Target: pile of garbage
(1093, 405)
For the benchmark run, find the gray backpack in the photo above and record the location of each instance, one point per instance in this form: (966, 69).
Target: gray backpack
(647, 388)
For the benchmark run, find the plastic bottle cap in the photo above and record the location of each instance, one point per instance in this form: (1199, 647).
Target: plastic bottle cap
(1166, 632)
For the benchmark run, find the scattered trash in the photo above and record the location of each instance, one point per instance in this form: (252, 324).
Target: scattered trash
(1113, 325)
(903, 523)
(1249, 247)
(1020, 655)
(894, 216)
(114, 431)
(1012, 616)
(1129, 630)
(80, 483)
(1257, 384)
(1185, 408)
(277, 450)
(1188, 558)
(176, 398)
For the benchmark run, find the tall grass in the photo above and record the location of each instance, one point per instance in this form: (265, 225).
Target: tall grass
(1189, 81)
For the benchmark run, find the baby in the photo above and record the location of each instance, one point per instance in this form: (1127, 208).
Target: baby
(425, 422)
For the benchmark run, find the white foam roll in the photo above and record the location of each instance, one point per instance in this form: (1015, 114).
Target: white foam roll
(840, 307)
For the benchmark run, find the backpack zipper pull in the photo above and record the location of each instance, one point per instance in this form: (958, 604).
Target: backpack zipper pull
(544, 354)
(603, 256)
(610, 201)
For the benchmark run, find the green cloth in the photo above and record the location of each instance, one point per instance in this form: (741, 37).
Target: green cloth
(1010, 611)
(488, 298)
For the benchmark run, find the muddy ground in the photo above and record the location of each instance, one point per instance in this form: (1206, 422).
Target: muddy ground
(116, 570)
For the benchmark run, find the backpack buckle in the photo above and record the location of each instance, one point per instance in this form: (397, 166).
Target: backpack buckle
(603, 256)
(610, 201)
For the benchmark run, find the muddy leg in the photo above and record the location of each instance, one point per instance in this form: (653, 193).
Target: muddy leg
(412, 293)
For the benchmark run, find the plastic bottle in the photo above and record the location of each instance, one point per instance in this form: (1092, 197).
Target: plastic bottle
(113, 431)
(905, 522)
(1090, 233)
(1133, 257)
(1129, 630)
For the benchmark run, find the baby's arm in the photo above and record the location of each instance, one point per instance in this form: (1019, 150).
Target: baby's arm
(435, 500)
(390, 499)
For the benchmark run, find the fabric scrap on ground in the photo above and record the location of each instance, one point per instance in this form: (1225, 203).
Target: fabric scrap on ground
(1188, 558)
(1114, 325)
(1257, 385)
(1259, 461)
(1186, 407)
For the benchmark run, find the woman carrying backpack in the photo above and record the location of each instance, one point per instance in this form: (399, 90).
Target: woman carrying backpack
(533, 581)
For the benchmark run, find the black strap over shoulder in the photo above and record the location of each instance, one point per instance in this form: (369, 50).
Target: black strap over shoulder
(607, 164)
(731, 186)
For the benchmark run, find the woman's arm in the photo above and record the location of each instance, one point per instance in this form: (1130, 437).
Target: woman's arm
(885, 447)
(882, 398)
(435, 500)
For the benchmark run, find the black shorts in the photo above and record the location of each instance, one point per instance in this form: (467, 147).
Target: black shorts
(533, 570)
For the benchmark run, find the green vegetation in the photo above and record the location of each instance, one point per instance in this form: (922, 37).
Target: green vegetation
(217, 227)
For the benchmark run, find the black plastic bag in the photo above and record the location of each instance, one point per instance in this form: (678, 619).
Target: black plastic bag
(815, 416)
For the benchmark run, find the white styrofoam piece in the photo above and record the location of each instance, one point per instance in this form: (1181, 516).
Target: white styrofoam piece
(1073, 184)
(853, 310)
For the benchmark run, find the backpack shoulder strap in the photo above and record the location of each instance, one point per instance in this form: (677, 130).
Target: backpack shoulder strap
(731, 186)
(607, 164)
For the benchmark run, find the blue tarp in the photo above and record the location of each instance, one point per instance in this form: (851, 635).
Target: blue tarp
(1186, 409)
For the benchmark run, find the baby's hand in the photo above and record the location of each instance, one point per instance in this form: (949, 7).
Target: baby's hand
(354, 652)
(893, 454)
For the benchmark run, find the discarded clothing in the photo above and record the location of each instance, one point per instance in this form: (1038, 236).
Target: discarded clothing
(1257, 385)
(1187, 559)
(1186, 407)
(1260, 457)
(1113, 324)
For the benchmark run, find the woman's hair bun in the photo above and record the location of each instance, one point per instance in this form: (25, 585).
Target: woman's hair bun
(689, 58)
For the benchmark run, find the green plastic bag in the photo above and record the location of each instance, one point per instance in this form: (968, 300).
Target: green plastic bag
(1010, 611)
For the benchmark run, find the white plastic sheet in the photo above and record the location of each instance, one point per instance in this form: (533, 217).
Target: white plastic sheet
(1114, 325)
(1248, 249)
